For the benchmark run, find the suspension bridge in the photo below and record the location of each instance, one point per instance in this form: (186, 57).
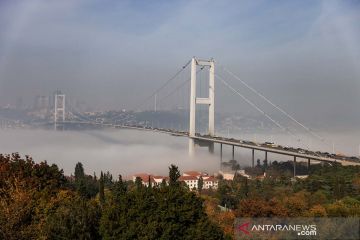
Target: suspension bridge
(197, 94)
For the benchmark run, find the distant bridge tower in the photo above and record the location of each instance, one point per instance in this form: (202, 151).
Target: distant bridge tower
(59, 105)
(210, 100)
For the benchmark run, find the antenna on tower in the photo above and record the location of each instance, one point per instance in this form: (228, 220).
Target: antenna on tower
(155, 103)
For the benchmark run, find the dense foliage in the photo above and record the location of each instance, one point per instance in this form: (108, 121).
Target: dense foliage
(330, 190)
(38, 202)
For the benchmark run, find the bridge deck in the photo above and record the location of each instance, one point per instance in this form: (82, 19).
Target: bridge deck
(277, 151)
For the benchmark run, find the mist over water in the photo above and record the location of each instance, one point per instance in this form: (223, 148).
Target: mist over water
(130, 151)
(119, 151)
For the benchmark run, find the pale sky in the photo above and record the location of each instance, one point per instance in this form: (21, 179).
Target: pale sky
(304, 55)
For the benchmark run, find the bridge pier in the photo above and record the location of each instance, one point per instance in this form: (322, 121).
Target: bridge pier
(221, 152)
(233, 152)
(266, 157)
(211, 148)
(294, 166)
(308, 166)
(191, 147)
(253, 157)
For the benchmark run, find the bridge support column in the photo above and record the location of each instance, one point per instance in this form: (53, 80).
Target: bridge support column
(253, 157)
(266, 157)
(294, 166)
(191, 147)
(308, 165)
(192, 98)
(233, 152)
(211, 147)
(221, 152)
(212, 98)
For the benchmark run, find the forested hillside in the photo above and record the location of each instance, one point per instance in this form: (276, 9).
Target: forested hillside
(38, 202)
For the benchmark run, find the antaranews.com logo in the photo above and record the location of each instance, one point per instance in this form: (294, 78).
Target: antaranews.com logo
(297, 228)
(301, 230)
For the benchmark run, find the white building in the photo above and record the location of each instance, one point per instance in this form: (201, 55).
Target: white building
(210, 182)
(190, 181)
(190, 178)
(154, 180)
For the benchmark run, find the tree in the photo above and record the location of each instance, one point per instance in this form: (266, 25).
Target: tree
(37, 202)
(138, 183)
(225, 195)
(174, 175)
(119, 189)
(339, 187)
(108, 179)
(200, 184)
(163, 184)
(265, 163)
(25, 189)
(297, 203)
(72, 217)
(316, 211)
(149, 181)
(258, 164)
(80, 182)
(257, 207)
(244, 190)
(161, 213)
(101, 189)
(79, 171)
(86, 185)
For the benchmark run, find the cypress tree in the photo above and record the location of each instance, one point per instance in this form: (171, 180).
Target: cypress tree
(101, 189)
(79, 171)
(200, 184)
(138, 183)
(149, 182)
(174, 175)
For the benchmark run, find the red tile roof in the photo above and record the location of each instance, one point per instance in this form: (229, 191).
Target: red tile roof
(192, 173)
(185, 178)
(144, 177)
(210, 179)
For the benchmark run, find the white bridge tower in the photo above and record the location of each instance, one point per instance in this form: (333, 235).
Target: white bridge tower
(210, 101)
(59, 106)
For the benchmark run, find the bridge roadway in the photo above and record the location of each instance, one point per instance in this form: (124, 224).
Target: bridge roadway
(277, 151)
(233, 142)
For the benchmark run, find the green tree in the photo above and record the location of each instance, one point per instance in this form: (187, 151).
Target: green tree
(149, 181)
(79, 171)
(200, 184)
(72, 217)
(119, 188)
(86, 185)
(101, 189)
(258, 164)
(25, 187)
(162, 213)
(174, 175)
(244, 190)
(138, 183)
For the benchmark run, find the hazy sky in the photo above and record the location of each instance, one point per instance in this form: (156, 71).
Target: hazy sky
(305, 55)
